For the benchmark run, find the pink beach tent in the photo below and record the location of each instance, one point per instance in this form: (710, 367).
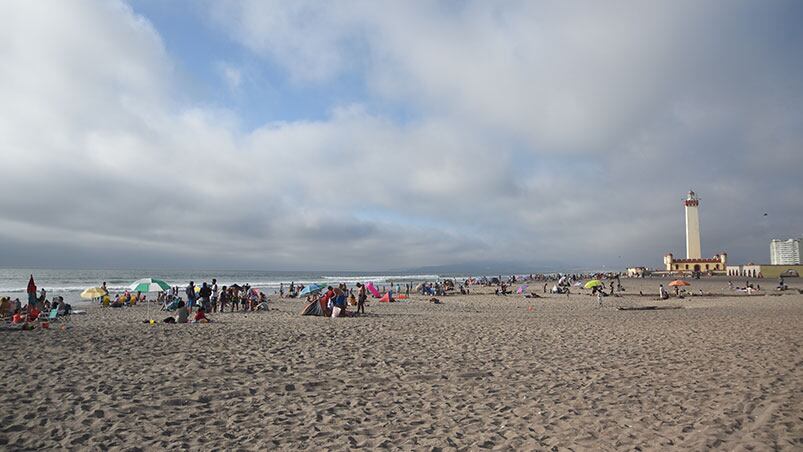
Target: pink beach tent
(371, 288)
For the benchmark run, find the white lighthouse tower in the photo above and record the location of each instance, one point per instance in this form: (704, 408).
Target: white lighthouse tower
(692, 204)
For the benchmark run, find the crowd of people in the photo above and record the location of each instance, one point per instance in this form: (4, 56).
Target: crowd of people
(38, 310)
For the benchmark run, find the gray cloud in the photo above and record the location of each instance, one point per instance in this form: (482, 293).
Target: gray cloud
(542, 132)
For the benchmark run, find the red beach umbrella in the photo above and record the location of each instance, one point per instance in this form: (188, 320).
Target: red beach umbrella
(679, 283)
(31, 292)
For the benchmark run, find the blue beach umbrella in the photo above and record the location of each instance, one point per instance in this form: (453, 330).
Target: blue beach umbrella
(310, 289)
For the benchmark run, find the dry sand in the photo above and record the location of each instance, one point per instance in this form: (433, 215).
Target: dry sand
(475, 372)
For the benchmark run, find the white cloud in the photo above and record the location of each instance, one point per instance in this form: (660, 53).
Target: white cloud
(232, 76)
(540, 132)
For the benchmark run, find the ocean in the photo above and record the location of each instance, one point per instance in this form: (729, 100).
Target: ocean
(70, 283)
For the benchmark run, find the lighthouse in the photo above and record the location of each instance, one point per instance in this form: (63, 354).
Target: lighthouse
(692, 204)
(694, 263)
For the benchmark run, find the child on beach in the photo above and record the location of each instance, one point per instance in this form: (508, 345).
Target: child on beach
(200, 316)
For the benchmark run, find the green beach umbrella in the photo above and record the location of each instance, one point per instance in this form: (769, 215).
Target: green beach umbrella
(149, 285)
(593, 283)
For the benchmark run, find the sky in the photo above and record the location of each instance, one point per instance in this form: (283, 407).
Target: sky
(363, 135)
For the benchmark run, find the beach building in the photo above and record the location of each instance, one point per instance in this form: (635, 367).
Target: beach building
(764, 271)
(694, 262)
(637, 272)
(785, 252)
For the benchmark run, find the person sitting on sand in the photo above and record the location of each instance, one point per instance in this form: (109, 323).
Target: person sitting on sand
(33, 313)
(182, 313)
(263, 302)
(17, 317)
(200, 316)
(5, 307)
(662, 292)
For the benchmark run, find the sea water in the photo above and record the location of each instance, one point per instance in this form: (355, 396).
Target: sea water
(70, 283)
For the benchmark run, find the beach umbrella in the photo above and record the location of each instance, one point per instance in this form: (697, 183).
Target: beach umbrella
(593, 283)
(92, 293)
(311, 289)
(679, 283)
(31, 292)
(149, 285)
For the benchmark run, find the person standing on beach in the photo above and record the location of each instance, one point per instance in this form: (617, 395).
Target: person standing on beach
(206, 294)
(190, 291)
(662, 292)
(215, 294)
(361, 297)
(104, 289)
(281, 290)
(223, 298)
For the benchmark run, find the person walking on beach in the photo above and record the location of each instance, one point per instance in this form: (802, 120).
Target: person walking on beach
(361, 297)
(190, 291)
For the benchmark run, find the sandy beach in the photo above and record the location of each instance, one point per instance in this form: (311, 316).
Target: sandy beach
(475, 372)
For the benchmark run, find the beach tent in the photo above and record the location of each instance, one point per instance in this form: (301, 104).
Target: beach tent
(495, 280)
(521, 289)
(386, 298)
(316, 308)
(372, 288)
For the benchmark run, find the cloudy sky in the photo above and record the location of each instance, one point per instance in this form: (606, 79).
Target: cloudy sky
(368, 135)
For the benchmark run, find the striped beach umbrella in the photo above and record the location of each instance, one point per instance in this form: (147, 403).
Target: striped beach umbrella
(149, 285)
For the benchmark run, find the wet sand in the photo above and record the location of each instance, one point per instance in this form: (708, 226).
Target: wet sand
(477, 371)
